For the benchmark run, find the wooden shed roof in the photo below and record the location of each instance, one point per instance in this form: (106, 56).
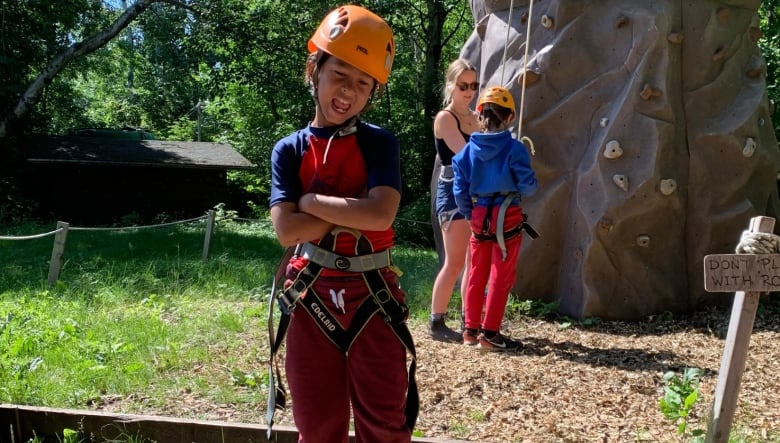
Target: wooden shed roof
(147, 153)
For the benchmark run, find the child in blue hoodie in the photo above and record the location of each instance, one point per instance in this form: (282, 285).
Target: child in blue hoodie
(492, 172)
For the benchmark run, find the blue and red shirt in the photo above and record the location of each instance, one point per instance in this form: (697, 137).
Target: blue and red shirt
(321, 161)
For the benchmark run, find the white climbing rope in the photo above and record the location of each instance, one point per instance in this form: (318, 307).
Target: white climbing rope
(758, 243)
(525, 139)
(525, 75)
(506, 38)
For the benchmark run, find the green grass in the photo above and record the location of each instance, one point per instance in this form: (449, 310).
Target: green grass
(139, 313)
(136, 310)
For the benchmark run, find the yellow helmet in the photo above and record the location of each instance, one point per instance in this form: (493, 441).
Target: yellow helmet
(498, 96)
(358, 37)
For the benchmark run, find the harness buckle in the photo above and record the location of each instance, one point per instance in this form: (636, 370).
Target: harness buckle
(290, 297)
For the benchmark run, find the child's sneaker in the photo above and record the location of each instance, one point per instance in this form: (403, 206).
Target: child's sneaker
(499, 343)
(470, 337)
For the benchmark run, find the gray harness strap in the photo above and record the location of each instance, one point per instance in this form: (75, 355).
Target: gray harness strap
(500, 222)
(331, 260)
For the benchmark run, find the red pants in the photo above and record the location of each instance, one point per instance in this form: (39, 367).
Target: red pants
(324, 381)
(487, 264)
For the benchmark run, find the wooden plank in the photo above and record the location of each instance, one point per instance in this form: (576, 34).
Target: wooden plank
(742, 272)
(209, 234)
(20, 423)
(732, 365)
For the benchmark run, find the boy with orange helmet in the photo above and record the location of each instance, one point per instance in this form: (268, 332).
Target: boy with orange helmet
(335, 192)
(492, 172)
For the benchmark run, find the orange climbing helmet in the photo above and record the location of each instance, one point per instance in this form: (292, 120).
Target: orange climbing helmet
(498, 96)
(358, 37)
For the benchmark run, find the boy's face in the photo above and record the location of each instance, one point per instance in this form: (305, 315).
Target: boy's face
(342, 92)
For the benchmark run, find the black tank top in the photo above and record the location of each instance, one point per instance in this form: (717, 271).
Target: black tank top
(444, 151)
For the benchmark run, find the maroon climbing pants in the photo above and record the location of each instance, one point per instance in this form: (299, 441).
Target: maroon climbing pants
(372, 376)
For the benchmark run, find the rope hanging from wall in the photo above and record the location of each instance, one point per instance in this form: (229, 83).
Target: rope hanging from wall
(525, 139)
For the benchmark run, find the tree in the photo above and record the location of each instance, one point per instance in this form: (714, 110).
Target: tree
(33, 93)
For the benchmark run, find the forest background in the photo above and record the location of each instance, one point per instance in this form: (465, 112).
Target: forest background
(226, 71)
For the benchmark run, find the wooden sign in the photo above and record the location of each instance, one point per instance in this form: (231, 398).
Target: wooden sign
(742, 272)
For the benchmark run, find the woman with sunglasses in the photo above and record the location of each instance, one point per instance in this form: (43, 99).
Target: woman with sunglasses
(451, 130)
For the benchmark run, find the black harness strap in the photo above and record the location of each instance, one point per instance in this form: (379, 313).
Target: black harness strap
(395, 317)
(342, 338)
(492, 237)
(276, 393)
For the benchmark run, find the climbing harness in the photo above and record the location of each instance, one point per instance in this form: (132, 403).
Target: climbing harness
(380, 301)
(501, 236)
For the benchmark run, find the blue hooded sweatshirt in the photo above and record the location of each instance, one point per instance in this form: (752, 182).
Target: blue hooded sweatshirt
(490, 163)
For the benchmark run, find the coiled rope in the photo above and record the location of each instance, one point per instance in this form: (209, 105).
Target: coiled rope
(758, 243)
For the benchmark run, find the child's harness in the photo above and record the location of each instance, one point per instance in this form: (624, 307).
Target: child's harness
(501, 235)
(381, 300)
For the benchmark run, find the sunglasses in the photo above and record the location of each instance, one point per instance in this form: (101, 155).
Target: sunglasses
(464, 86)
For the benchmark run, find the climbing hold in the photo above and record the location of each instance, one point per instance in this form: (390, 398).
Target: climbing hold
(676, 37)
(761, 121)
(649, 92)
(613, 150)
(604, 122)
(547, 22)
(530, 77)
(643, 241)
(606, 224)
(756, 67)
(755, 33)
(621, 21)
(754, 73)
(719, 54)
(750, 147)
(524, 18)
(668, 186)
(621, 181)
(723, 15)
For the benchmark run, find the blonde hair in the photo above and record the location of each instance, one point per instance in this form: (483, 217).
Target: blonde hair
(456, 68)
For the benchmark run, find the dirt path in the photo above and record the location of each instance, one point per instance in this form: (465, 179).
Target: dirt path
(595, 383)
(600, 383)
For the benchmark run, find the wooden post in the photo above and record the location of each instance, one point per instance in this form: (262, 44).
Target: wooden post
(55, 264)
(732, 365)
(209, 232)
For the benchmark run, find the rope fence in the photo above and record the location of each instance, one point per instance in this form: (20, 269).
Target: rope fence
(61, 235)
(30, 237)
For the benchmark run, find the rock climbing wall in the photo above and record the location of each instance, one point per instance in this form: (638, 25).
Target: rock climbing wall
(653, 143)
